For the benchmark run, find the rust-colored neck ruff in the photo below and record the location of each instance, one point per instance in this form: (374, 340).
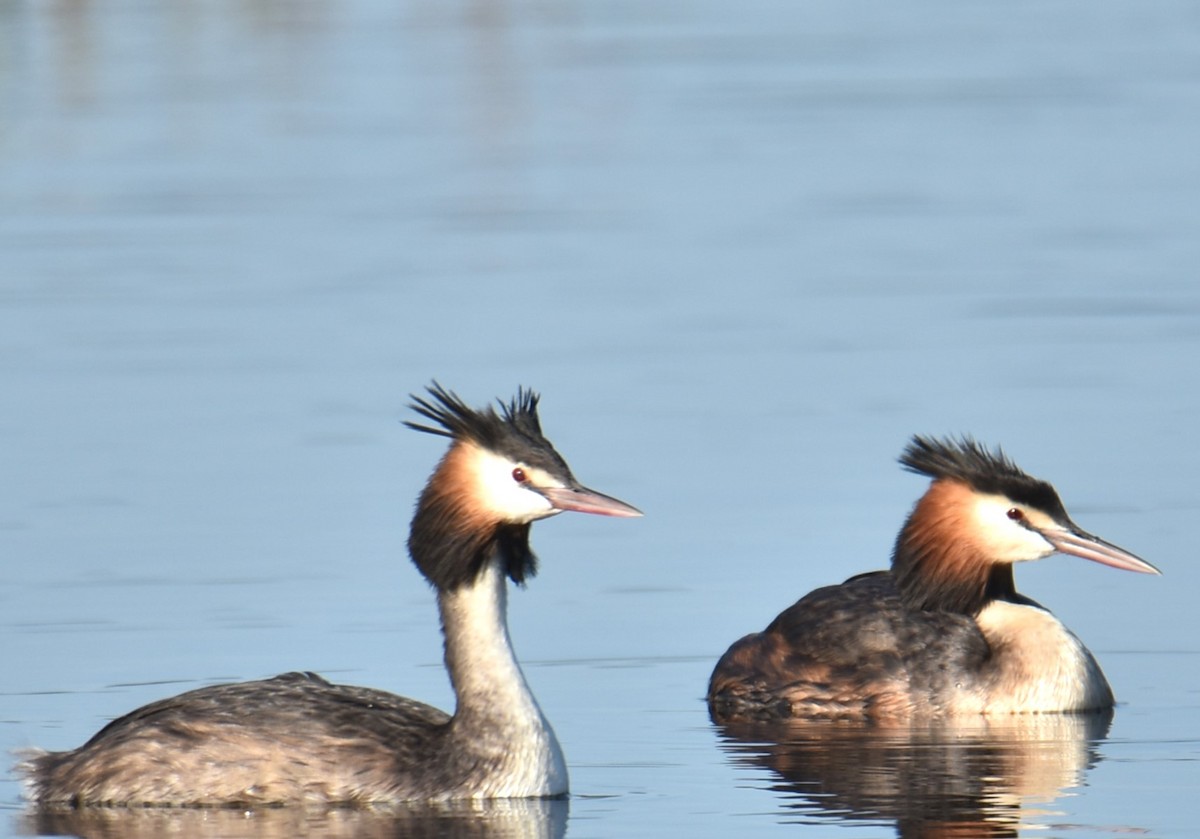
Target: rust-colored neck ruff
(451, 541)
(937, 562)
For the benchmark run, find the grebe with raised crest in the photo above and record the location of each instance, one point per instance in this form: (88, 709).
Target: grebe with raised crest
(944, 632)
(297, 738)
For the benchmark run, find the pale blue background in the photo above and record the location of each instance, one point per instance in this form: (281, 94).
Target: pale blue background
(743, 249)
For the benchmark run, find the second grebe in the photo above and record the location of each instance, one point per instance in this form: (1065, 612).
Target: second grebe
(297, 738)
(944, 632)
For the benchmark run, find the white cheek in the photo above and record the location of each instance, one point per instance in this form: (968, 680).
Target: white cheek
(1003, 538)
(502, 496)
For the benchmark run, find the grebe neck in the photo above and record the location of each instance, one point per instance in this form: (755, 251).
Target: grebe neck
(497, 728)
(497, 717)
(938, 568)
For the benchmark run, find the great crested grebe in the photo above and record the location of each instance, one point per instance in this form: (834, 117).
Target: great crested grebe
(297, 738)
(944, 632)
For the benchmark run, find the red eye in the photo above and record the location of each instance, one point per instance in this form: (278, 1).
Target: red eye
(519, 475)
(1015, 514)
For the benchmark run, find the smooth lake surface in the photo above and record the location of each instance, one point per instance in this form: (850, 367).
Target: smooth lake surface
(744, 250)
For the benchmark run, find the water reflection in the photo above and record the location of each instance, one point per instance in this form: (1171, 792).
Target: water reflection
(503, 819)
(980, 778)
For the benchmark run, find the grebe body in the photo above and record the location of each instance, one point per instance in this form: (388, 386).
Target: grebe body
(944, 632)
(297, 738)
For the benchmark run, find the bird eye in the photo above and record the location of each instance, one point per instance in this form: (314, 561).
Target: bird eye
(1015, 514)
(519, 475)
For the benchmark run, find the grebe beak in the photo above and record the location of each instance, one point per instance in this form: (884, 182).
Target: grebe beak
(580, 499)
(1080, 543)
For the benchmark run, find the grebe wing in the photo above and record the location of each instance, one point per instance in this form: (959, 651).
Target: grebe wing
(283, 700)
(849, 650)
(252, 742)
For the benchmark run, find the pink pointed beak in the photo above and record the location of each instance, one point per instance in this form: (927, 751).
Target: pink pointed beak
(583, 500)
(1082, 544)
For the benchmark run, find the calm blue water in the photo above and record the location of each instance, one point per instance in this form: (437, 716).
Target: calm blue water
(744, 250)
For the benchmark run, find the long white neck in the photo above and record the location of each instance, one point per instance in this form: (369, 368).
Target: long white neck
(497, 718)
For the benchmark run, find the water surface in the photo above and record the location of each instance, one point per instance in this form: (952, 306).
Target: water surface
(744, 252)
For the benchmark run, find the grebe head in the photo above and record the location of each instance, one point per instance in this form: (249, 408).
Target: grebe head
(980, 515)
(499, 475)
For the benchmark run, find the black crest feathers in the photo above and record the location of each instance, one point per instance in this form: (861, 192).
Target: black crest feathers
(989, 471)
(514, 432)
(460, 421)
(961, 459)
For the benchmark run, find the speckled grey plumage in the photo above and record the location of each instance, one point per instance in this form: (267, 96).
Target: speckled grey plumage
(156, 753)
